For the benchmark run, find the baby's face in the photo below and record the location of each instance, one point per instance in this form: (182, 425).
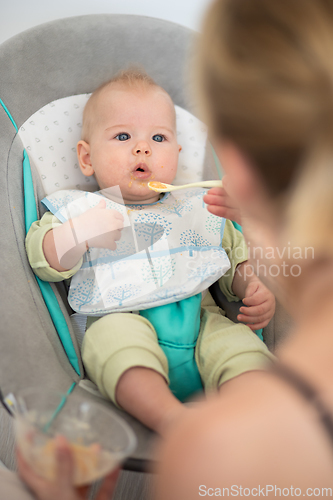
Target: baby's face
(132, 142)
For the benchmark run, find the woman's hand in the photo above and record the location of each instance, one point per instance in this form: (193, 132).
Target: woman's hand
(61, 488)
(221, 204)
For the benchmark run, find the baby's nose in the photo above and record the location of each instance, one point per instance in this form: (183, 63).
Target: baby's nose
(142, 147)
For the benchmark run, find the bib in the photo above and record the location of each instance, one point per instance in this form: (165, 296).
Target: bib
(169, 250)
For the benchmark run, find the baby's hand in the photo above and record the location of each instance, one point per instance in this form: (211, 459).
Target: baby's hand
(260, 305)
(99, 227)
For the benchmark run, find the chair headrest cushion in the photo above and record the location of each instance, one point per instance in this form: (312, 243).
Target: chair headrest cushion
(50, 136)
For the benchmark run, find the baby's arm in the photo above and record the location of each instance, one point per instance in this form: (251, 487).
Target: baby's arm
(64, 246)
(55, 250)
(240, 282)
(259, 302)
(60, 248)
(34, 248)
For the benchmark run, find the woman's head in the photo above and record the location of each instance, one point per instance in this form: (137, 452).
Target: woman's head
(265, 77)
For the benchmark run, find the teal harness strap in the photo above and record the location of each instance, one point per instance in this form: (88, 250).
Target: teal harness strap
(177, 326)
(30, 214)
(30, 211)
(8, 114)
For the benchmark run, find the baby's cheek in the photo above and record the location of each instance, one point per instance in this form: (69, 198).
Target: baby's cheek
(172, 169)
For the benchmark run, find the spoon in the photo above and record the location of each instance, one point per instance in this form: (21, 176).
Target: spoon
(162, 187)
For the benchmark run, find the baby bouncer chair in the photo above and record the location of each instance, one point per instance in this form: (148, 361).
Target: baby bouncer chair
(46, 74)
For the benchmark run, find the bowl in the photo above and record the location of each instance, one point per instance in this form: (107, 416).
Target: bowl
(98, 438)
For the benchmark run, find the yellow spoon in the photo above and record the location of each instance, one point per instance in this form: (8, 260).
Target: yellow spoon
(162, 187)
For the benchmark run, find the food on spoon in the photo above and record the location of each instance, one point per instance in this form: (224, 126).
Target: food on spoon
(156, 186)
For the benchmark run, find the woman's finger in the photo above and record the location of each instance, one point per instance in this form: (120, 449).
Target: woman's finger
(226, 213)
(108, 486)
(64, 463)
(223, 201)
(220, 193)
(221, 204)
(35, 482)
(82, 492)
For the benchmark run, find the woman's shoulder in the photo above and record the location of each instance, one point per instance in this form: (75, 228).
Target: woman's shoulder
(257, 430)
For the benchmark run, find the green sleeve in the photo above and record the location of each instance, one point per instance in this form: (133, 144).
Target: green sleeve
(234, 244)
(34, 249)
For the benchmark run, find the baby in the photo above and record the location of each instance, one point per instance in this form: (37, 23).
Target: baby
(128, 139)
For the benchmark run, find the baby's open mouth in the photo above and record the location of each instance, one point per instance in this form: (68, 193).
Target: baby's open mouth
(141, 171)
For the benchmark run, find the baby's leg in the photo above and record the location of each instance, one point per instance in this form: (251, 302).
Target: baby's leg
(226, 349)
(122, 356)
(145, 394)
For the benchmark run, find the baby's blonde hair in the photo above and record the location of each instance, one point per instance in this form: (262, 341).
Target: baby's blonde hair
(265, 81)
(132, 78)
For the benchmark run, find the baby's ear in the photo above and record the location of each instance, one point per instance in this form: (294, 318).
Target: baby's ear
(83, 154)
(179, 148)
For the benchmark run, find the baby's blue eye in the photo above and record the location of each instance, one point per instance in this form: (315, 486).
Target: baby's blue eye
(158, 138)
(122, 137)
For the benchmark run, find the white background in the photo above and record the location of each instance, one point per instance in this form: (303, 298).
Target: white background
(19, 15)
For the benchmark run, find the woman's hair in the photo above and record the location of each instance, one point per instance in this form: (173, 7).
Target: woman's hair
(265, 81)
